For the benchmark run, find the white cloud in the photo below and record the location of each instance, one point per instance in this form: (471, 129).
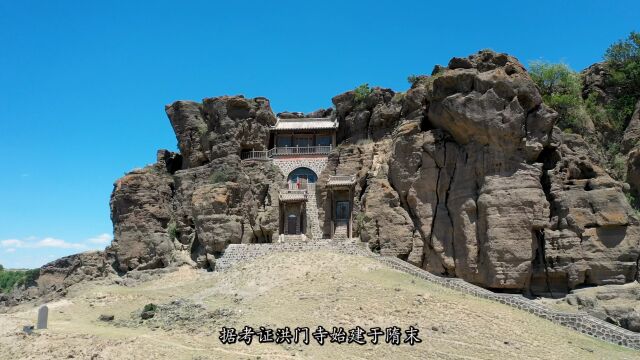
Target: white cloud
(10, 250)
(57, 243)
(47, 242)
(101, 239)
(12, 243)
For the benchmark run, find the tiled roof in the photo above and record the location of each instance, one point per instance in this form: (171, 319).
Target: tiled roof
(306, 124)
(341, 180)
(293, 195)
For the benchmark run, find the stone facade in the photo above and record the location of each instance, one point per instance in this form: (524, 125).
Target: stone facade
(288, 164)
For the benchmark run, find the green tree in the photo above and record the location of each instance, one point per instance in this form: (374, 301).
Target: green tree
(561, 89)
(623, 61)
(624, 51)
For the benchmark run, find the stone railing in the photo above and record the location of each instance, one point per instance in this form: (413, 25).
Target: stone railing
(580, 321)
(285, 151)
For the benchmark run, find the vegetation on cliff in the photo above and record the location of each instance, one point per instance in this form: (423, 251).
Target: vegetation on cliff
(599, 116)
(12, 278)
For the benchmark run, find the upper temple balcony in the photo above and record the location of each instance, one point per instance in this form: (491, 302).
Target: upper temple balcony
(297, 137)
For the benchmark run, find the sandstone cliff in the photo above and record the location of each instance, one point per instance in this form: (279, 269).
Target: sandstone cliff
(464, 175)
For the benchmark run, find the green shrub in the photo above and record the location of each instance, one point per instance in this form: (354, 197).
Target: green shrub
(172, 229)
(221, 175)
(619, 166)
(361, 219)
(413, 79)
(150, 307)
(561, 89)
(9, 279)
(598, 114)
(633, 201)
(362, 92)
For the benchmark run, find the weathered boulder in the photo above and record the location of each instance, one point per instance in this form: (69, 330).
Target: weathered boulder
(141, 211)
(370, 118)
(219, 127)
(617, 304)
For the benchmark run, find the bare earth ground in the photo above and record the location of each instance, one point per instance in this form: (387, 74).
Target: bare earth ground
(288, 289)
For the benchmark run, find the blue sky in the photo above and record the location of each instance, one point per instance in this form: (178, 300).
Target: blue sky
(84, 83)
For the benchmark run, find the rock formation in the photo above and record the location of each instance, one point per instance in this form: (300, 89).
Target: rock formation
(463, 175)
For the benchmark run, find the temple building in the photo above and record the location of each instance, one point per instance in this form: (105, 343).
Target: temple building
(300, 147)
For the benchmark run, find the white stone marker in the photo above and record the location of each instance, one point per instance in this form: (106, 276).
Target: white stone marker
(43, 315)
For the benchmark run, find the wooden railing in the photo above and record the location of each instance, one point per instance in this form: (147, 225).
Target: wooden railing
(284, 151)
(302, 150)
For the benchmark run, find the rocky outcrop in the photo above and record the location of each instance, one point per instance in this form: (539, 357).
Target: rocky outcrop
(478, 185)
(141, 210)
(617, 304)
(55, 277)
(187, 208)
(369, 118)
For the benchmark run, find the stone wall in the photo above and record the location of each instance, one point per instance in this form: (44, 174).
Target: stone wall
(582, 322)
(315, 163)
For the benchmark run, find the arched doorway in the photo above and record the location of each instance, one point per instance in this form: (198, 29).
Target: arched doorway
(302, 176)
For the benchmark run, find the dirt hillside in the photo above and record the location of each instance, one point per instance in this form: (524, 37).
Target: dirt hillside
(286, 289)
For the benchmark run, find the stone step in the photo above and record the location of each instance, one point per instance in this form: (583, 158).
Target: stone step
(239, 253)
(312, 213)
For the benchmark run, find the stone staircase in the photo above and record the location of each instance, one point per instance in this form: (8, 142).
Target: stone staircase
(312, 212)
(241, 253)
(340, 232)
(292, 238)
